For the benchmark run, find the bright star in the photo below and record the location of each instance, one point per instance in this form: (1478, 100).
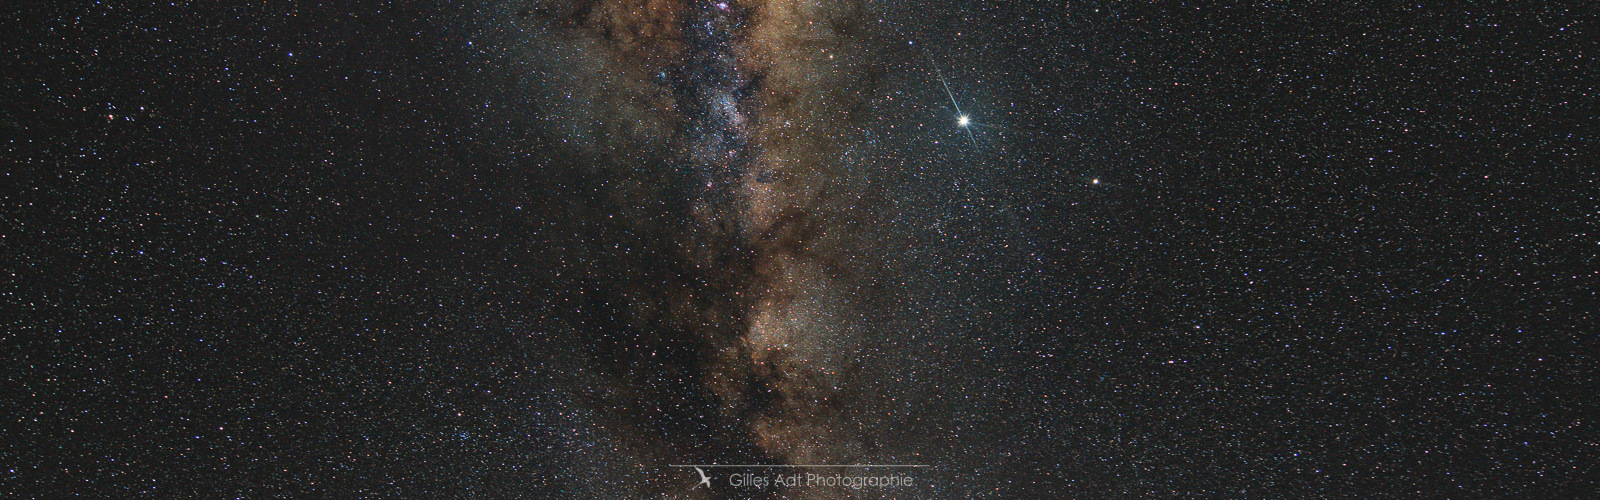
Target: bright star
(961, 117)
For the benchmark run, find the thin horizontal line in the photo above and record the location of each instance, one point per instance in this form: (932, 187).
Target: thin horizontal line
(795, 465)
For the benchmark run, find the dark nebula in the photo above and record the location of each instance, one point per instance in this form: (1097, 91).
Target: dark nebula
(559, 249)
(754, 306)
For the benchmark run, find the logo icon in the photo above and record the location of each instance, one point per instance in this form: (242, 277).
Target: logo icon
(704, 479)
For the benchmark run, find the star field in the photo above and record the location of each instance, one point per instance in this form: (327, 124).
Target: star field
(1099, 250)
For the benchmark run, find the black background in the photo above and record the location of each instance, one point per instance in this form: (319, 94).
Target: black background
(300, 249)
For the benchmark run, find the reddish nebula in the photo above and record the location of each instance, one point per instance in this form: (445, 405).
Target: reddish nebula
(762, 273)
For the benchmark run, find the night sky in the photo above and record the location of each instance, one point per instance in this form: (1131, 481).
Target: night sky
(550, 249)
